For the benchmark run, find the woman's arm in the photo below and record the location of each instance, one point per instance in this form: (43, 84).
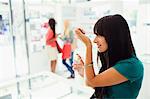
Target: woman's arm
(50, 40)
(89, 70)
(107, 78)
(50, 36)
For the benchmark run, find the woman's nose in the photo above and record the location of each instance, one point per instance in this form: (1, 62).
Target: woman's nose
(95, 41)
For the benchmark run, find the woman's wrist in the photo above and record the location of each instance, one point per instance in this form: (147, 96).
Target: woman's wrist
(89, 65)
(89, 45)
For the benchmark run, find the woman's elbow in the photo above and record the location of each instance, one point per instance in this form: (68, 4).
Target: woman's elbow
(89, 83)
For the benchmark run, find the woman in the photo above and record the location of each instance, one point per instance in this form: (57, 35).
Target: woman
(51, 44)
(67, 49)
(121, 74)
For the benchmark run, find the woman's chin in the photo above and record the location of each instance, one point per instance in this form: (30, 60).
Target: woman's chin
(99, 50)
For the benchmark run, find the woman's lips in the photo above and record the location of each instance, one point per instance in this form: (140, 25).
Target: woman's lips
(99, 46)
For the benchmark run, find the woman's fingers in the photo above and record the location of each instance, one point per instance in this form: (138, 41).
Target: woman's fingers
(82, 37)
(79, 69)
(76, 66)
(79, 57)
(79, 32)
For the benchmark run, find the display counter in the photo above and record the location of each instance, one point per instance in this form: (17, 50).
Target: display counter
(45, 85)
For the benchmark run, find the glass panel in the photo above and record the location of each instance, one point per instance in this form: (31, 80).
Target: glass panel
(36, 18)
(7, 68)
(20, 38)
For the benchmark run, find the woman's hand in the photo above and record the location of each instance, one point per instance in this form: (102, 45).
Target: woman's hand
(79, 66)
(82, 37)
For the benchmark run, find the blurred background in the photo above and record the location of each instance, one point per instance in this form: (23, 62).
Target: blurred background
(24, 65)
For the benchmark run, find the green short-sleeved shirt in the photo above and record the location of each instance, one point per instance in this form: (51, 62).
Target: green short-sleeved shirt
(132, 69)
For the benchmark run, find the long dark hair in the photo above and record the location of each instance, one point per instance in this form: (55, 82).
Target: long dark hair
(117, 34)
(52, 24)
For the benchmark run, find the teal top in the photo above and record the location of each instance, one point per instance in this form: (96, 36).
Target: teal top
(133, 70)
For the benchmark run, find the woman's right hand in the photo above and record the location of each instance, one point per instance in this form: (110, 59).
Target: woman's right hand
(81, 35)
(79, 66)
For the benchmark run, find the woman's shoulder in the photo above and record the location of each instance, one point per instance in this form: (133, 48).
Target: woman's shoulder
(49, 30)
(130, 64)
(131, 60)
(131, 68)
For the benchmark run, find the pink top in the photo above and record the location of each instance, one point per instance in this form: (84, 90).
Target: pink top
(49, 36)
(66, 53)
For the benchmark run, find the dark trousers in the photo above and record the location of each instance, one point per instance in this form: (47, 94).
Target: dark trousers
(69, 67)
(71, 58)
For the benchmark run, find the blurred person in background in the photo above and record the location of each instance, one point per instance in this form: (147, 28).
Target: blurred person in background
(68, 47)
(51, 44)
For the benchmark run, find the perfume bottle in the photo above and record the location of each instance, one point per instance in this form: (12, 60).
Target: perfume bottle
(76, 59)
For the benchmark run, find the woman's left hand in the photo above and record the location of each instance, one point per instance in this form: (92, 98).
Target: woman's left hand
(83, 37)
